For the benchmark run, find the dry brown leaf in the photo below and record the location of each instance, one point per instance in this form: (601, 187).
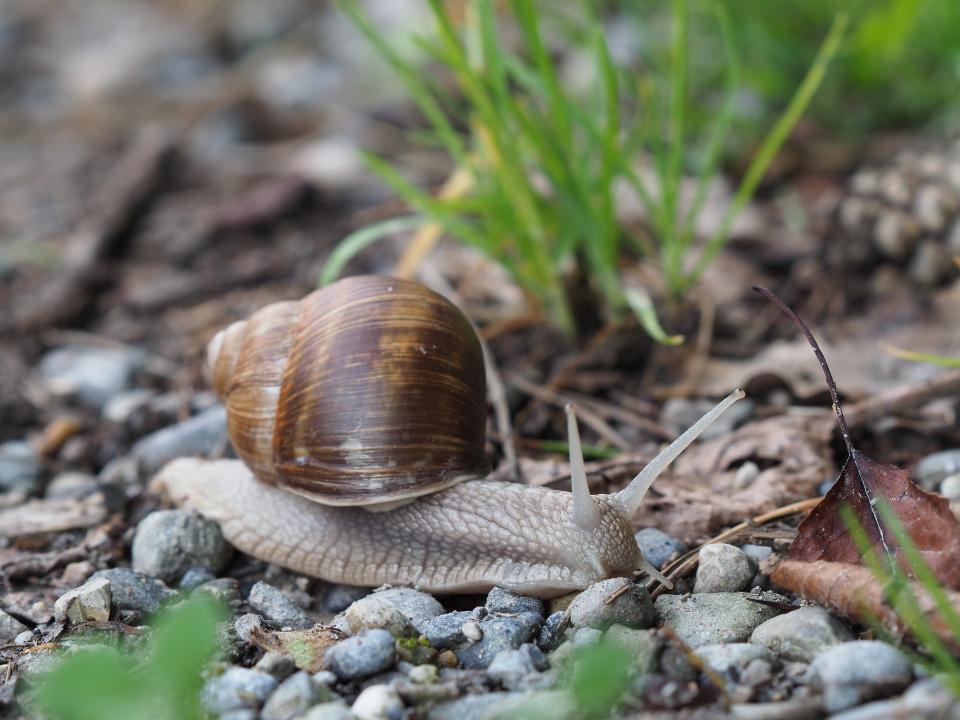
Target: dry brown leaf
(306, 647)
(853, 591)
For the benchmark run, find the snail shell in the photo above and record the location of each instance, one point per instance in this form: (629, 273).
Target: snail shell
(368, 391)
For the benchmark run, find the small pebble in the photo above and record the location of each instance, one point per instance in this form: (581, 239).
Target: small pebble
(247, 623)
(447, 659)
(853, 672)
(550, 635)
(88, 603)
(362, 656)
(92, 375)
(417, 606)
(950, 487)
(500, 600)
(225, 590)
(724, 658)
(723, 568)
(328, 711)
(377, 702)
(11, 628)
(757, 553)
(294, 696)
(195, 577)
(71, 485)
(932, 470)
(511, 667)
(801, 635)
(373, 612)
(338, 598)
(423, 674)
(76, 573)
(197, 436)
(614, 601)
(276, 607)
(169, 542)
(120, 408)
(471, 631)
(131, 590)
(22, 639)
(446, 631)
(710, 618)
(279, 665)
(237, 689)
(20, 467)
(657, 547)
(498, 632)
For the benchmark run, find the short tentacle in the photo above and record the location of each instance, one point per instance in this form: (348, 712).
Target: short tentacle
(586, 514)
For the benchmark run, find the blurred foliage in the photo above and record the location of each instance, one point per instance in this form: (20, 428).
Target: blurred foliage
(544, 155)
(161, 682)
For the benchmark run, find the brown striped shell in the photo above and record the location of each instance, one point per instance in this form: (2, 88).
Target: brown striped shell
(370, 390)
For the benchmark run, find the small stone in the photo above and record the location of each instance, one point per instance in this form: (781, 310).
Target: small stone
(237, 689)
(328, 711)
(279, 665)
(11, 628)
(498, 633)
(120, 408)
(338, 598)
(935, 468)
(550, 635)
(88, 603)
(447, 659)
(246, 624)
(446, 631)
(294, 696)
(723, 568)
(277, 607)
(423, 674)
(195, 577)
(583, 636)
(76, 573)
(950, 487)
(723, 658)
(71, 485)
(22, 639)
(134, 591)
(417, 606)
(377, 702)
(614, 601)
(196, 436)
(757, 553)
(362, 656)
(92, 375)
(710, 618)
(225, 590)
(169, 542)
(500, 600)
(657, 547)
(373, 612)
(471, 631)
(801, 635)
(511, 667)
(20, 467)
(643, 646)
(853, 672)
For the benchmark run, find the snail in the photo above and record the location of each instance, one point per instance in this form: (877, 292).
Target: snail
(359, 414)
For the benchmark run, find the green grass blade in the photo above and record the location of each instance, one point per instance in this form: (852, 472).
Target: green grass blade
(642, 306)
(357, 241)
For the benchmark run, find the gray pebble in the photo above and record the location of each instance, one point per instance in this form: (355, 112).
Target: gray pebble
(195, 577)
(169, 542)
(417, 606)
(423, 674)
(511, 667)
(20, 467)
(373, 612)
(10, 627)
(726, 657)
(237, 689)
(555, 704)
(198, 435)
(279, 665)
(853, 672)
(245, 624)
(613, 601)
(71, 485)
(88, 603)
(294, 696)
(446, 631)
(757, 553)
(723, 568)
(362, 656)
(120, 408)
(22, 639)
(550, 635)
(710, 618)
(801, 635)
(90, 374)
(377, 702)
(328, 711)
(657, 547)
(499, 632)
(277, 607)
(500, 600)
(131, 590)
(935, 468)
(225, 590)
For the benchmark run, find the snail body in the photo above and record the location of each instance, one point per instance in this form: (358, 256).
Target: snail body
(359, 414)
